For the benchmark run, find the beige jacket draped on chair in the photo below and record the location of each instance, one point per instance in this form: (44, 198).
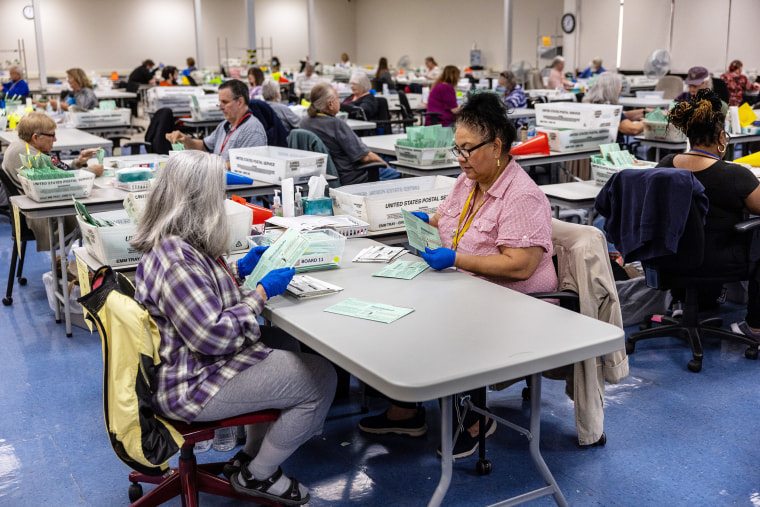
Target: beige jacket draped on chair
(584, 267)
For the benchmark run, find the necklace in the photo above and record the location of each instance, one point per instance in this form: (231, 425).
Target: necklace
(705, 153)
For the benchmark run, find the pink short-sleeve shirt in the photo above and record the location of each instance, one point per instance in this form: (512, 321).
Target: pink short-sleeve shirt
(515, 214)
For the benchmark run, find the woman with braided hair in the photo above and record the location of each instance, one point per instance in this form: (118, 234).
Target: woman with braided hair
(733, 192)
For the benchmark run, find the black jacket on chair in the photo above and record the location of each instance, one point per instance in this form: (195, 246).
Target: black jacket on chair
(161, 124)
(277, 134)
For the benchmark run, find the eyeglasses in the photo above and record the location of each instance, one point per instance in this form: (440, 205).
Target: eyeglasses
(466, 152)
(46, 135)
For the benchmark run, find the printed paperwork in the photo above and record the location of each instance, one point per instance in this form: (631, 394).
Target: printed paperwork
(370, 311)
(406, 270)
(379, 253)
(419, 233)
(305, 286)
(283, 253)
(311, 222)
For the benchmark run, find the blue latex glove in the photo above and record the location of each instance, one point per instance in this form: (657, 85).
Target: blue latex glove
(248, 263)
(440, 258)
(71, 101)
(422, 216)
(276, 281)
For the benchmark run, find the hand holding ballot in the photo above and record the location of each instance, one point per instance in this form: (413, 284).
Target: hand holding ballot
(276, 281)
(248, 263)
(422, 216)
(440, 258)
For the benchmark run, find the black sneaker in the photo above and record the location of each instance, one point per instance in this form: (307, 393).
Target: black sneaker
(743, 328)
(466, 444)
(381, 425)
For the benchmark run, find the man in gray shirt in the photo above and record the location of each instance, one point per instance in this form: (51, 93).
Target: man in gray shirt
(240, 130)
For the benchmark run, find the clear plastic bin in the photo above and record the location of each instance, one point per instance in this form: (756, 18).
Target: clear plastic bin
(325, 248)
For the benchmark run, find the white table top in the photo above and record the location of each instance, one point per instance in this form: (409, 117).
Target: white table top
(361, 124)
(573, 191)
(383, 145)
(644, 102)
(115, 94)
(66, 139)
(521, 112)
(450, 343)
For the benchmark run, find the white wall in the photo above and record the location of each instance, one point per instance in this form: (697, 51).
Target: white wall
(336, 31)
(597, 26)
(745, 15)
(285, 21)
(444, 29)
(221, 19)
(531, 19)
(699, 34)
(646, 27)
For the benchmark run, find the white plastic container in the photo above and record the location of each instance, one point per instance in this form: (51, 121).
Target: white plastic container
(272, 164)
(424, 156)
(572, 115)
(176, 98)
(206, 108)
(110, 245)
(649, 94)
(114, 118)
(239, 220)
(379, 203)
(568, 140)
(660, 131)
(58, 189)
(602, 173)
(325, 248)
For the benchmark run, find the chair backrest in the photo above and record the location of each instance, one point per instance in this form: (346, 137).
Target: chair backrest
(277, 134)
(161, 124)
(302, 139)
(671, 85)
(403, 100)
(143, 440)
(721, 89)
(534, 80)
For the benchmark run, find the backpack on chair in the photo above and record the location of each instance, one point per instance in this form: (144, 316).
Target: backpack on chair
(143, 440)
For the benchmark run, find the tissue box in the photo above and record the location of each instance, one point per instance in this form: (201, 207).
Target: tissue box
(321, 207)
(379, 203)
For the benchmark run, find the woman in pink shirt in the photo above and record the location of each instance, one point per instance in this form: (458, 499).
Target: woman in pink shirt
(495, 224)
(443, 96)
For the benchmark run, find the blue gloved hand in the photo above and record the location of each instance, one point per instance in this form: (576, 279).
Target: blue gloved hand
(248, 263)
(276, 281)
(422, 216)
(440, 258)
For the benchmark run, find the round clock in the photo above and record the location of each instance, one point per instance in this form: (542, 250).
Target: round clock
(568, 23)
(29, 12)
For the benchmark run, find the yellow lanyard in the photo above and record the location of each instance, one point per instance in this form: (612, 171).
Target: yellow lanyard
(459, 232)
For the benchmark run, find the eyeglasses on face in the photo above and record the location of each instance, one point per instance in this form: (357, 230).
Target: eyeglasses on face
(466, 152)
(46, 135)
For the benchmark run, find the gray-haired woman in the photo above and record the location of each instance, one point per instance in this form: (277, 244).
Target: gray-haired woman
(216, 361)
(606, 90)
(360, 98)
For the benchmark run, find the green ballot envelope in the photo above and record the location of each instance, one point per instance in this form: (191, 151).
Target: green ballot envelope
(283, 253)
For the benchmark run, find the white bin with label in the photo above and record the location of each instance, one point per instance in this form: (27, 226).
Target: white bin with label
(272, 164)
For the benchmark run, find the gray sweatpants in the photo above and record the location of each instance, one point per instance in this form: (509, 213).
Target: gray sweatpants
(301, 386)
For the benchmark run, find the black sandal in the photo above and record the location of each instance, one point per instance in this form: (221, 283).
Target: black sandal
(255, 487)
(235, 464)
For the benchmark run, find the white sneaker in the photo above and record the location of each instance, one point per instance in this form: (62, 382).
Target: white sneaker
(677, 310)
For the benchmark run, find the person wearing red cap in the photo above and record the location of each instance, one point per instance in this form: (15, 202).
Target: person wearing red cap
(737, 83)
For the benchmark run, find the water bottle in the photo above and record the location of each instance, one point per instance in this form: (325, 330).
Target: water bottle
(225, 439)
(203, 446)
(386, 92)
(531, 130)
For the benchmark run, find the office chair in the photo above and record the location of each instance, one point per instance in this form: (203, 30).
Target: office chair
(277, 134)
(384, 121)
(721, 89)
(140, 438)
(685, 269)
(586, 285)
(161, 124)
(26, 235)
(671, 85)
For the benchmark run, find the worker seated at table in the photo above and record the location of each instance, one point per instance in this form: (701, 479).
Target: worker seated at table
(606, 90)
(239, 130)
(347, 150)
(255, 79)
(36, 134)
(383, 76)
(306, 81)
(431, 71)
(216, 360)
(733, 192)
(594, 68)
(16, 87)
(270, 91)
(84, 98)
(737, 83)
(169, 75)
(511, 92)
(443, 96)
(495, 224)
(344, 62)
(361, 104)
(557, 80)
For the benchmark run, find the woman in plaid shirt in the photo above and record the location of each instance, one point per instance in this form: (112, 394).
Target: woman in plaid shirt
(216, 360)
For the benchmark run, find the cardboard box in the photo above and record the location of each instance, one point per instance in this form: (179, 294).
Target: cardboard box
(272, 164)
(572, 115)
(565, 140)
(60, 188)
(379, 203)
